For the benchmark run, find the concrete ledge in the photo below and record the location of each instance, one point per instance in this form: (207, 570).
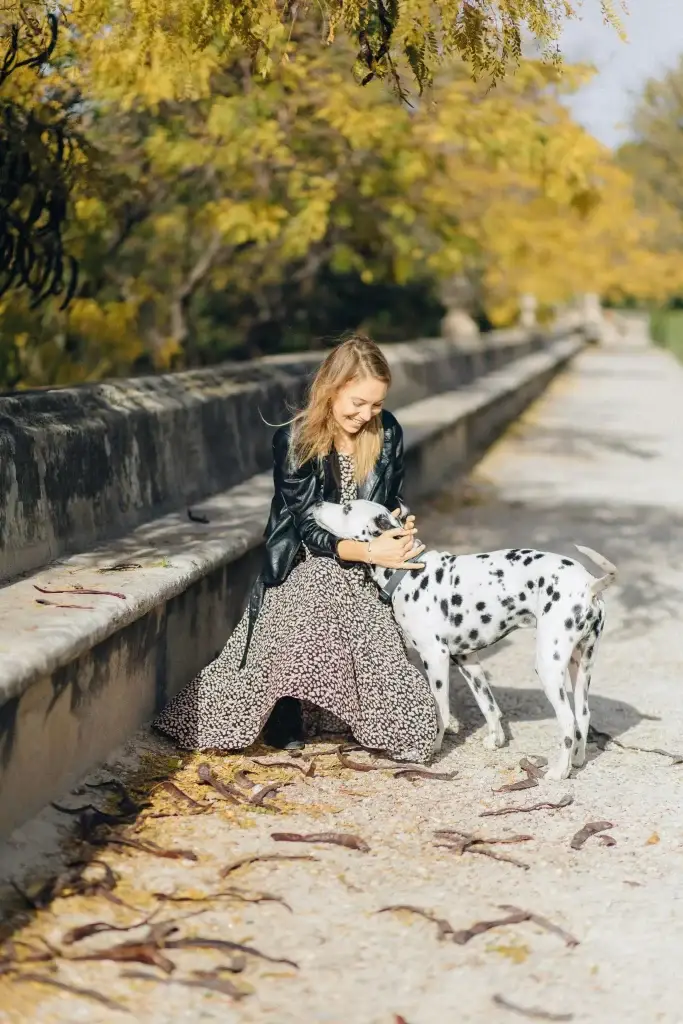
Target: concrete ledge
(76, 682)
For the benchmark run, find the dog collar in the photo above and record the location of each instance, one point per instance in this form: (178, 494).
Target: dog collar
(389, 589)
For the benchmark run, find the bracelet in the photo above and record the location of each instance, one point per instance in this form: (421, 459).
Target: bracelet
(369, 552)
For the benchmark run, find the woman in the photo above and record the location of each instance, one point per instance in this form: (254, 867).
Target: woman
(316, 644)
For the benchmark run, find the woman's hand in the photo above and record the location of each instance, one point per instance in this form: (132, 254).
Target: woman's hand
(391, 549)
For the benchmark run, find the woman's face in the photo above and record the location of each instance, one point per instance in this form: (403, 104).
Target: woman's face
(357, 402)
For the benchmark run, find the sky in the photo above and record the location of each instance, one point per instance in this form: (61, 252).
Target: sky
(655, 41)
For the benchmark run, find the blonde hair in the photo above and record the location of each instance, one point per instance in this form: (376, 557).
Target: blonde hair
(313, 427)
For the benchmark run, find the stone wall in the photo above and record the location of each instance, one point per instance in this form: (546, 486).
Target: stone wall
(80, 466)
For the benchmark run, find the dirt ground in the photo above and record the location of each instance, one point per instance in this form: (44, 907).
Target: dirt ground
(597, 461)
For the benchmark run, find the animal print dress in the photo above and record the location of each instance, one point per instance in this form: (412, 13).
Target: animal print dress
(323, 636)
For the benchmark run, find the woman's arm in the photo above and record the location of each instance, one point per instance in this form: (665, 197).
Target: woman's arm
(300, 491)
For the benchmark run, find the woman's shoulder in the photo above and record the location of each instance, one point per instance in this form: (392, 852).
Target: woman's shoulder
(390, 423)
(281, 443)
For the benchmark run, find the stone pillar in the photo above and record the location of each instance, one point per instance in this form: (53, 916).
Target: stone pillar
(457, 325)
(528, 305)
(593, 318)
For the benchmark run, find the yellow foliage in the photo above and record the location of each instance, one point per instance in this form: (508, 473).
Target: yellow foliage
(215, 195)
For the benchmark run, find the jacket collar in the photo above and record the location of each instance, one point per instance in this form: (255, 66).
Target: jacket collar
(369, 486)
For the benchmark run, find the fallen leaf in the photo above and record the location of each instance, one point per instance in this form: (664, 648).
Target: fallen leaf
(531, 1013)
(335, 838)
(591, 828)
(244, 861)
(75, 990)
(653, 840)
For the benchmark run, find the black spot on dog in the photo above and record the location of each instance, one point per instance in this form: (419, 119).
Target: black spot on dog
(563, 696)
(568, 623)
(539, 554)
(576, 609)
(568, 742)
(424, 582)
(415, 573)
(549, 590)
(425, 664)
(456, 581)
(456, 599)
(530, 584)
(474, 634)
(483, 557)
(585, 710)
(439, 684)
(522, 596)
(541, 581)
(480, 606)
(508, 602)
(456, 620)
(567, 561)
(577, 735)
(347, 509)
(498, 573)
(547, 607)
(503, 624)
(438, 575)
(486, 619)
(556, 655)
(476, 684)
(556, 595)
(416, 595)
(444, 608)
(528, 560)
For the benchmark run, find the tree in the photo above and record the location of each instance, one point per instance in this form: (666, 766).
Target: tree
(654, 154)
(167, 50)
(389, 37)
(37, 150)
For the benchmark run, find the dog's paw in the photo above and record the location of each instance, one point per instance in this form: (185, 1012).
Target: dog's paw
(495, 739)
(453, 726)
(579, 757)
(559, 772)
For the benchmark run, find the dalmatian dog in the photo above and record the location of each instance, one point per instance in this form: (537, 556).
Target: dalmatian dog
(460, 604)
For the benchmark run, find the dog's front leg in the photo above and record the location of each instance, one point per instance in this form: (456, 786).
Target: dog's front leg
(436, 661)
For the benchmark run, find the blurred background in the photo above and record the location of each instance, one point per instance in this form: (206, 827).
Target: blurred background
(186, 183)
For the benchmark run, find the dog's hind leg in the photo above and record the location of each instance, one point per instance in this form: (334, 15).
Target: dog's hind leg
(552, 674)
(478, 681)
(580, 669)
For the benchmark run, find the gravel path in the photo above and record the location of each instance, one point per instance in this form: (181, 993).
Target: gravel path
(599, 460)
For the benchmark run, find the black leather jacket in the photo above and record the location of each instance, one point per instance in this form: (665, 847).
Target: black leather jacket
(297, 491)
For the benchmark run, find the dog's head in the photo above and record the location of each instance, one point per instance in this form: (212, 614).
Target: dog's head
(354, 520)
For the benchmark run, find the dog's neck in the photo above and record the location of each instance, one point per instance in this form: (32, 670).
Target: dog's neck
(389, 580)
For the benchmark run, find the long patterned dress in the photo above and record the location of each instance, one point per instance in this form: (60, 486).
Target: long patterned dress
(323, 636)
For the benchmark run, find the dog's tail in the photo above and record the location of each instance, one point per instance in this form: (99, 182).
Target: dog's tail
(610, 570)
